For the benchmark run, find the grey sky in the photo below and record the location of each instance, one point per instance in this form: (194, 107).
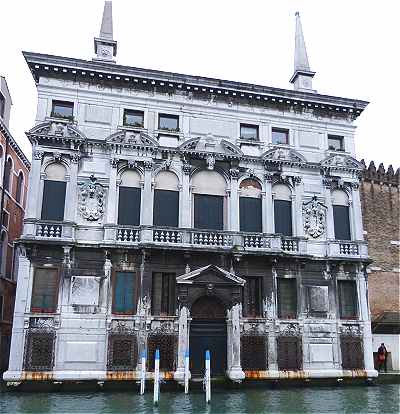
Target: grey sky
(352, 45)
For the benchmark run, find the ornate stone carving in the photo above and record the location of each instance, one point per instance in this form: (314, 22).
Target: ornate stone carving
(144, 306)
(148, 165)
(75, 158)
(114, 162)
(351, 330)
(91, 200)
(41, 323)
(163, 327)
(132, 164)
(186, 167)
(268, 176)
(341, 162)
(132, 139)
(38, 155)
(122, 326)
(57, 156)
(289, 329)
(283, 156)
(210, 160)
(314, 214)
(234, 173)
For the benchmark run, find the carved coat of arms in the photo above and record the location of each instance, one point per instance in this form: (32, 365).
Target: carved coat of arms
(91, 200)
(314, 214)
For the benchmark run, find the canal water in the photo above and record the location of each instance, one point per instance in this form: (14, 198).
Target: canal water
(347, 399)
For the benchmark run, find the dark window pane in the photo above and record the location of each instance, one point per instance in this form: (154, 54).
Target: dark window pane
(208, 212)
(124, 293)
(53, 200)
(169, 122)
(280, 136)
(290, 355)
(133, 118)
(62, 109)
(166, 208)
(2, 105)
(335, 143)
(252, 296)
(45, 290)
(129, 206)
(287, 298)
(249, 132)
(20, 182)
(283, 217)
(7, 175)
(341, 222)
(163, 294)
(347, 299)
(250, 214)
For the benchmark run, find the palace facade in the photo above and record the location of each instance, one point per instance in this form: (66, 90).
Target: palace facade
(186, 213)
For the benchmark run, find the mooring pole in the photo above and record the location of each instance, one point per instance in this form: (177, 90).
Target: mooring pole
(156, 377)
(186, 371)
(143, 373)
(208, 378)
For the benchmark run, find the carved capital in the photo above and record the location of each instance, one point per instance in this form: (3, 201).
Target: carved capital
(186, 167)
(148, 165)
(114, 162)
(75, 158)
(38, 155)
(234, 173)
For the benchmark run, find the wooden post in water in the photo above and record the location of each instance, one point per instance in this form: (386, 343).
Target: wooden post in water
(143, 373)
(186, 371)
(208, 378)
(156, 394)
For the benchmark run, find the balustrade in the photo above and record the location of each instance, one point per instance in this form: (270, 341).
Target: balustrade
(128, 235)
(211, 238)
(257, 241)
(49, 230)
(289, 245)
(167, 236)
(348, 249)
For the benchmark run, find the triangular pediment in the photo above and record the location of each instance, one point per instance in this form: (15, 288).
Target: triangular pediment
(210, 274)
(133, 139)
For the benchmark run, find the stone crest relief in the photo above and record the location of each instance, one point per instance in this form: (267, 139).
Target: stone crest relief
(91, 199)
(314, 214)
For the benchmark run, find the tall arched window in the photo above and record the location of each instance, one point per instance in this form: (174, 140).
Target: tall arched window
(282, 209)
(209, 195)
(166, 200)
(7, 175)
(1, 161)
(54, 189)
(250, 206)
(20, 186)
(341, 219)
(129, 199)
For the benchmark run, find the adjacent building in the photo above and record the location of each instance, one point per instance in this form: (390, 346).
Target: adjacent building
(184, 213)
(14, 170)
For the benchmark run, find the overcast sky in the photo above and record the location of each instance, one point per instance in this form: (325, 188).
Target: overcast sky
(353, 45)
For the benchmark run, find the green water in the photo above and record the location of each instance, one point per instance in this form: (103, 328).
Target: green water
(350, 399)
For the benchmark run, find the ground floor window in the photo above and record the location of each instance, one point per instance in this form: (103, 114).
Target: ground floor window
(39, 351)
(347, 299)
(287, 298)
(163, 294)
(253, 352)
(252, 297)
(167, 345)
(290, 355)
(352, 352)
(122, 352)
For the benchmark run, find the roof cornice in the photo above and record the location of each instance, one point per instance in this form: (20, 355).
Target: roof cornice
(102, 71)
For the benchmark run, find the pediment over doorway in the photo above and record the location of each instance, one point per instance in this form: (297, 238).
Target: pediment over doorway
(210, 274)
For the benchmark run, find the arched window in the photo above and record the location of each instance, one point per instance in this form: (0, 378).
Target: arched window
(341, 219)
(166, 200)
(129, 199)
(209, 195)
(250, 206)
(54, 189)
(1, 161)
(7, 175)
(3, 253)
(282, 209)
(20, 186)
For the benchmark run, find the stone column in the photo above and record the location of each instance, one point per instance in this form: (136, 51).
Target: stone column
(147, 203)
(235, 372)
(183, 344)
(271, 314)
(71, 196)
(268, 206)
(330, 226)
(297, 208)
(185, 199)
(111, 217)
(358, 233)
(234, 201)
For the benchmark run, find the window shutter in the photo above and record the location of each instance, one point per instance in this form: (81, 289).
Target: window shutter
(250, 214)
(156, 293)
(252, 296)
(45, 290)
(53, 200)
(341, 222)
(129, 206)
(287, 298)
(166, 208)
(347, 299)
(208, 212)
(290, 356)
(163, 294)
(124, 293)
(283, 217)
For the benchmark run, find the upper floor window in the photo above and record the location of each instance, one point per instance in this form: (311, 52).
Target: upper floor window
(335, 142)
(282, 209)
(168, 122)
(287, 298)
(124, 293)
(163, 294)
(280, 136)
(209, 191)
(129, 199)
(20, 186)
(45, 290)
(341, 219)
(2, 105)
(54, 189)
(62, 109)
(250, 206)
(8, 175)
(347, 299)
(133, 118)
(3, 253)
(249, 132)
(166, 200)
(252, 296)
(1, 307)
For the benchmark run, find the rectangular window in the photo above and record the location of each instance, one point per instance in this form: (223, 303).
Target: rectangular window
(347, 299)
(290, 355)
(283, 217)
(166, 208)
(280, 136)
(53, 200)
(133, 118)
(163, 294)
(124, 293)
(352, 352)
(341, 222)
(129, 206)
(208, 212)
(250, 214)
(1, 307)
(335, 142)
(287, 298)
(168, 122)
(64, 110)
(45, 290)
(6, 219)
(2, 105)
(249, 132)
(252, 299)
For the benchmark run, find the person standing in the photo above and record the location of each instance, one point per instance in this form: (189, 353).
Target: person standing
(382, 357)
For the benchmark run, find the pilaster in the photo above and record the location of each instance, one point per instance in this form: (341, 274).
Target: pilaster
(234, 201)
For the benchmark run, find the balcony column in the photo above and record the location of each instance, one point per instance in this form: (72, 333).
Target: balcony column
(234, 201)
(111, 218)
(268, 206)
(71, 196)
(355, 213)
(185, 198)
(147, 202)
